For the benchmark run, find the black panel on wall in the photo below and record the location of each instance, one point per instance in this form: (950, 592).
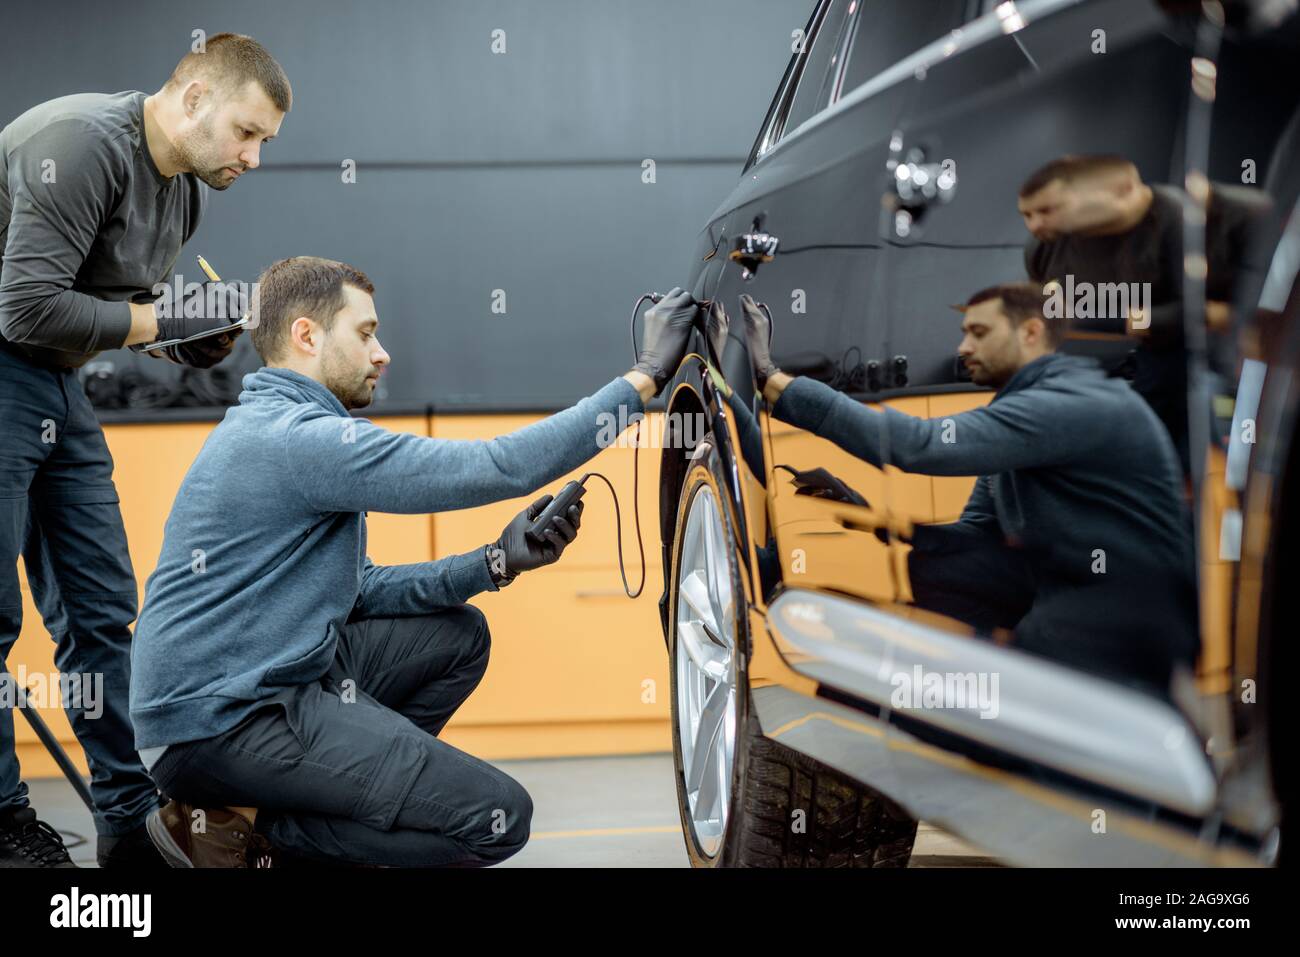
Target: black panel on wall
(475, 171)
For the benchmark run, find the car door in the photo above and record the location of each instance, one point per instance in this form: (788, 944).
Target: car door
(812, 187)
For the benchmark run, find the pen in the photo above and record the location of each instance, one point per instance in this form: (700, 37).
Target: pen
(211, 273)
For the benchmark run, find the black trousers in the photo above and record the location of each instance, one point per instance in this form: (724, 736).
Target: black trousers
(984, 584)
(350, 769)
(59, 510)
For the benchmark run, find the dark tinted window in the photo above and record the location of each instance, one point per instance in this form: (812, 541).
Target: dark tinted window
(889, 30)
(813, 92)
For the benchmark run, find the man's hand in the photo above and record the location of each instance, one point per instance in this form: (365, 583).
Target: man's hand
(820, 483)
(758, 337)
(203, 353)
(716, 327)
(667, 328)
(210, 306)
(521, 553)
(897, 527)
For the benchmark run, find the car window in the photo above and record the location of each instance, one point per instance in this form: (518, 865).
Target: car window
(886, 31)
(813, 92)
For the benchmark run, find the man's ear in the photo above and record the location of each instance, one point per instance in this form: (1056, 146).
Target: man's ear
(304, 335)
(1126, 186)
(192, 96)
(1035, 329)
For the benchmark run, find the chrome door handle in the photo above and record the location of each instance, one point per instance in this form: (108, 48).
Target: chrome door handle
(916, 183)
(753, 248)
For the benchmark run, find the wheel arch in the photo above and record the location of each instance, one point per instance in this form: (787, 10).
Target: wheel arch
(696, 395)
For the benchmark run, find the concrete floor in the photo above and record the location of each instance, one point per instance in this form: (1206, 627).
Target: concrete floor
(587, 812)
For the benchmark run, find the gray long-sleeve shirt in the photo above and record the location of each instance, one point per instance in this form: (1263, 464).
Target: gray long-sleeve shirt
(87, 224)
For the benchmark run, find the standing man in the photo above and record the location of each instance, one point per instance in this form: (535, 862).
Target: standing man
(1094, 219)
(98, 192)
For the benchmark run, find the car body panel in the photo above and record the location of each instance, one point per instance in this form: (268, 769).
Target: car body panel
(1086, 771)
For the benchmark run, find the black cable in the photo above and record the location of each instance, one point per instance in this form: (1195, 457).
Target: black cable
(636, 513)
(636, 475)
(850, 379)
(653, 297)
(636, 470)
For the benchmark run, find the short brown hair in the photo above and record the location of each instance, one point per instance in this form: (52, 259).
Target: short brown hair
(1069, 168)
(301, 286)
(1021, 301)
(229, 61)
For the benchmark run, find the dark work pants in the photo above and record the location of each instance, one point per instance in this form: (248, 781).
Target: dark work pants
(1130, 629)
(1161, 379)
(349, 768)
(983, 583)
(59, 509)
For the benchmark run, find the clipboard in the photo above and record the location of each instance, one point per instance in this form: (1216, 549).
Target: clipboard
(164, 343)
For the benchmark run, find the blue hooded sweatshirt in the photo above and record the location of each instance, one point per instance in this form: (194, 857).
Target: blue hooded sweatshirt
(264, 553)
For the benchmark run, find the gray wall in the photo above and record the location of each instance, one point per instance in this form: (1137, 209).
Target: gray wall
(476, 171)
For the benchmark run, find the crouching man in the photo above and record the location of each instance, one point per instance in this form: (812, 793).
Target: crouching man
(287, 692)
(1075, 533)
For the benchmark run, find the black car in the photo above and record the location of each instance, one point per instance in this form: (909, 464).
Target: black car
(893, 177)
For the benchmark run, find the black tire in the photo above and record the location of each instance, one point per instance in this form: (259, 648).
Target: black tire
(786, 810)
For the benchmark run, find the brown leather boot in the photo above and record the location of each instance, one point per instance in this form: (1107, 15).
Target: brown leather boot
(228, 838)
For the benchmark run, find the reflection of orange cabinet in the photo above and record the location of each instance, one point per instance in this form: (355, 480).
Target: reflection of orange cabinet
(819, 545)
(576, 667)
(1214, 671)
(906, 493)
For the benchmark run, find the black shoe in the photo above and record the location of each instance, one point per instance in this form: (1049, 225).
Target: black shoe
(27, 842)
(131, 851)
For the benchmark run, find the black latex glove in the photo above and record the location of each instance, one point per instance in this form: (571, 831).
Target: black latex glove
(758, 337)
(203, 353)
(820, 483)
(716, 326)
(212, 305)
(522, 553)
(666, 330)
